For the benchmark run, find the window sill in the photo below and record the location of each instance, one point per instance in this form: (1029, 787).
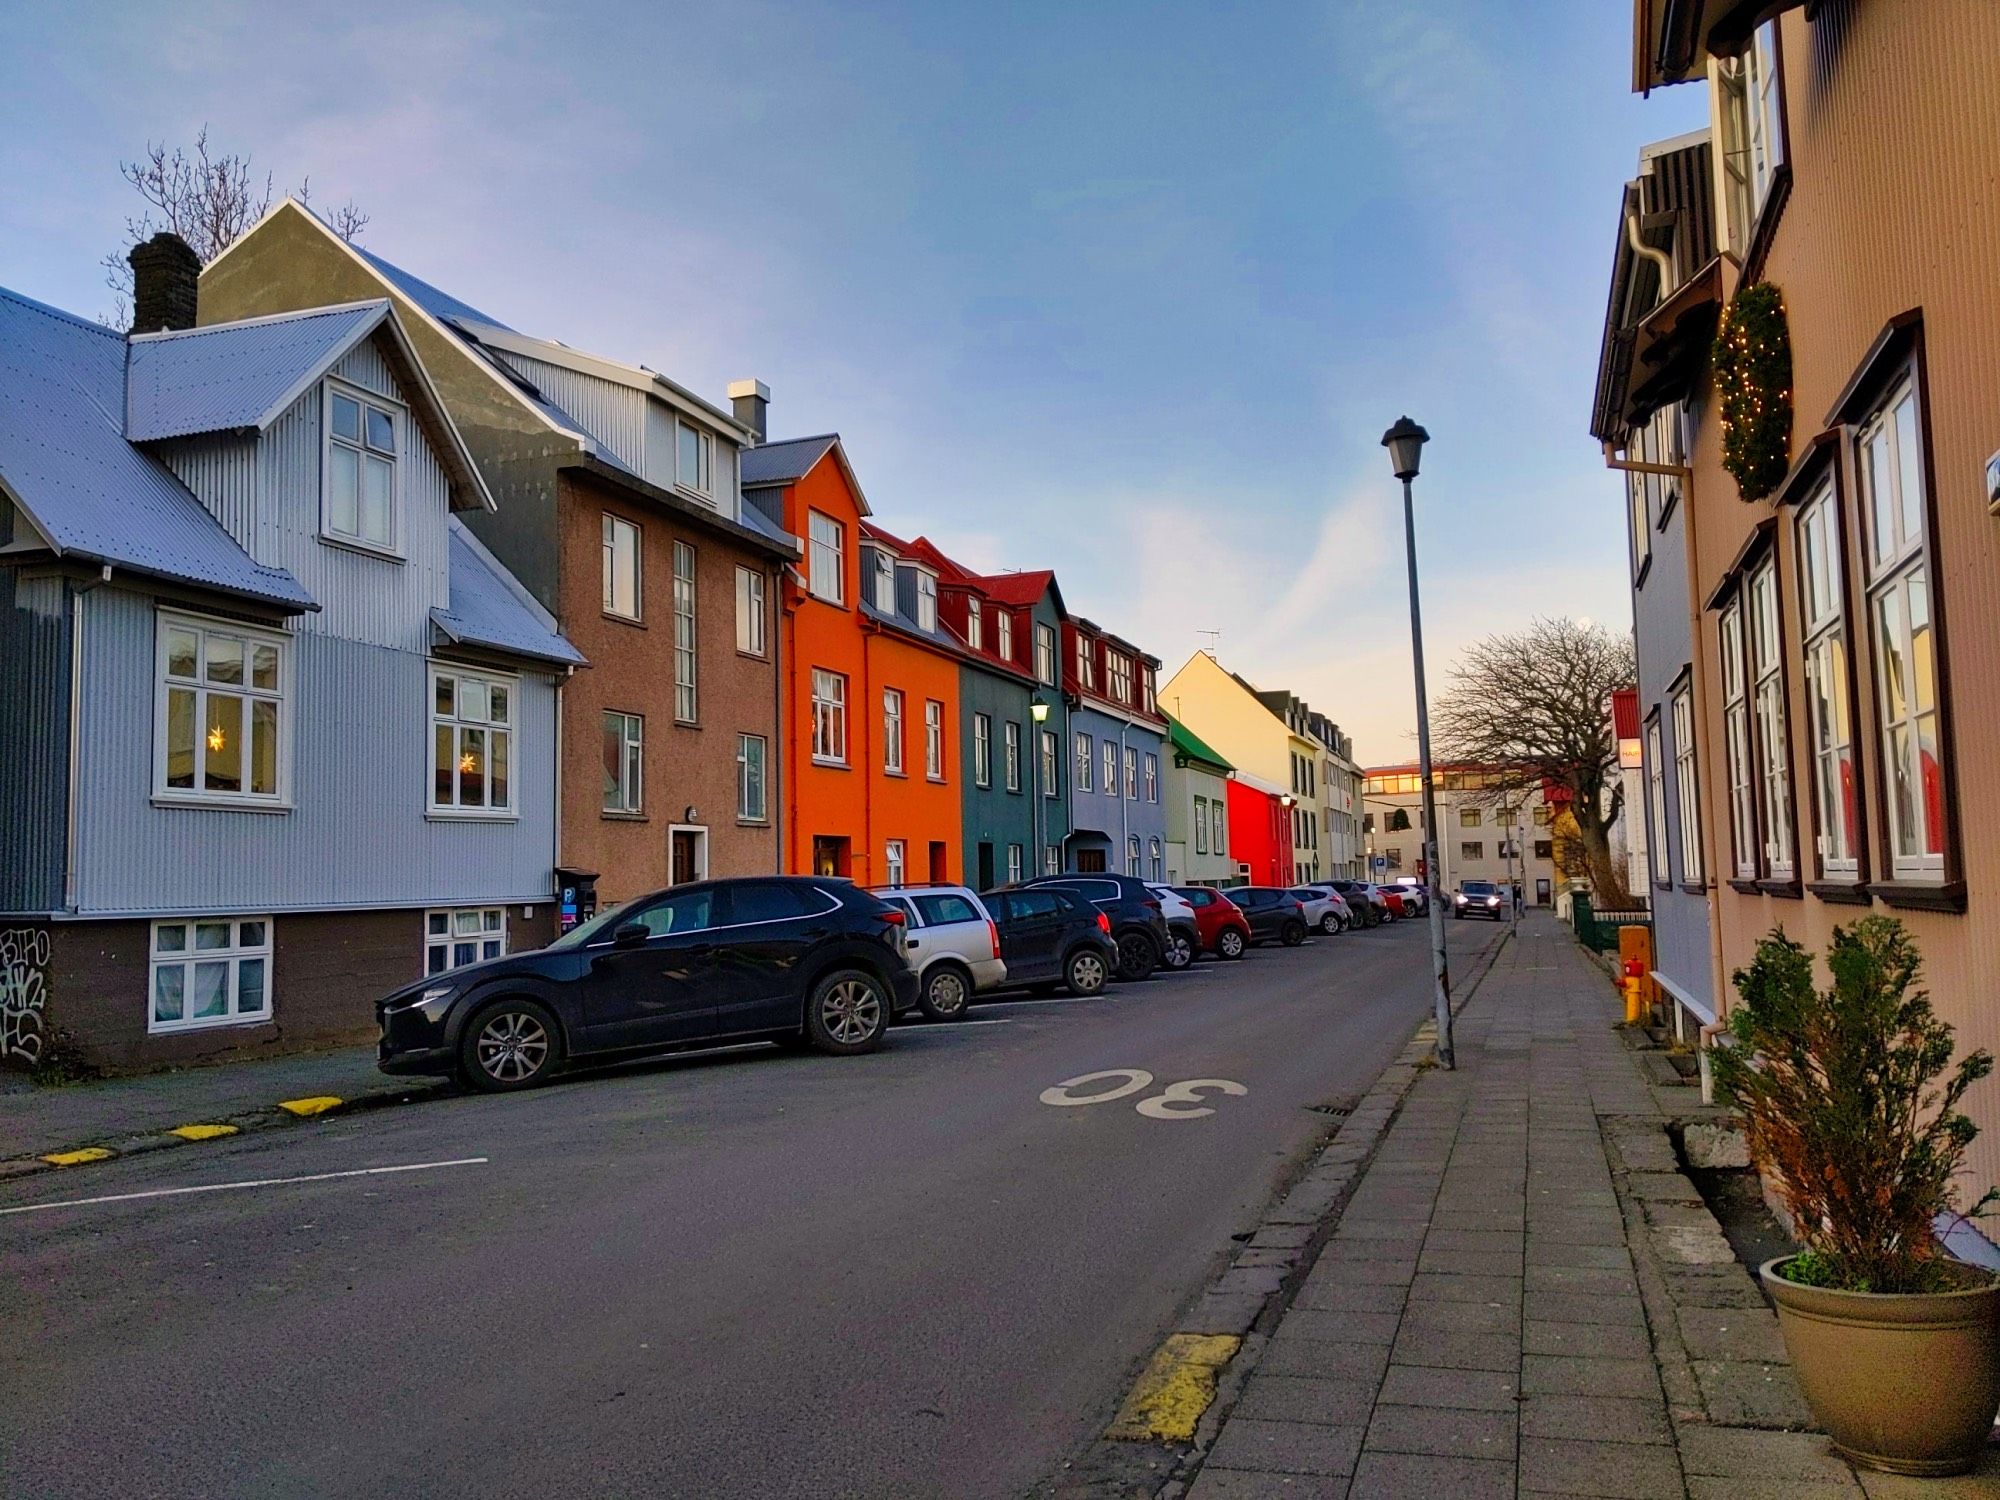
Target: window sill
(219, 804)
(743, 822)
(637, 622)
(1695, 887)
(1852, 893)
(473, 815)
(1789, 889)
(687, 723)
(700, 497)
(831, 765)
(1916, 896)
(213, 1023)
(892, 771)
(365, 549)
(612, 815)
(1747, 887)
(763, 656)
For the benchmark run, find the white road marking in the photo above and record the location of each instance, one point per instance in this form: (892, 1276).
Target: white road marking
(1051, 1000)
(1135, 1080)
(945, 1028)
(257, 1182)
(1177, 1100)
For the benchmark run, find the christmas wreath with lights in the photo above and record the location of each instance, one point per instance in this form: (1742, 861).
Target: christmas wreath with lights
(1753, 384)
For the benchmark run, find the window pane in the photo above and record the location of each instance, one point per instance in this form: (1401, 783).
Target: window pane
(442, 786)
(614, 761)
(1881, 521)
(381, 431)
(1923, 667)
(438, 923)
(225, 660)
(690, 457)
(264, 667)
(489, 921)
(1930, 773)
(496, 780)
(347, 418)
(170, 938)
(1909, 476)
(1902, 790)
(180, 739)
(378, 480)
(1895, 669)
(343, 515)
(446, 695)
(434, 959)
(222, 765)
(464, 953)
(472, 700)
(472, 767)
(211, 935)
(211, 991)
(168, 998)
(264, 747)
(496, 704)
(250, 987)
(181, 646)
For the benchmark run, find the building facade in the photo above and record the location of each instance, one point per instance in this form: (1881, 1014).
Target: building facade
(1198, 851)
(1117, 753)
(1488, 834)
(281, 733)
(1260, 830)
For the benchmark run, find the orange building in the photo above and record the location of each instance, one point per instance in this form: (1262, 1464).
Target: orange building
(870, 689)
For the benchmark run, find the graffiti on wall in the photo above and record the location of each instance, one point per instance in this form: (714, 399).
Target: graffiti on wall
(24, 959)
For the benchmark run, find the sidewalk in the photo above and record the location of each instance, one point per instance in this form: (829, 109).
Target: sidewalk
(1524, 1296)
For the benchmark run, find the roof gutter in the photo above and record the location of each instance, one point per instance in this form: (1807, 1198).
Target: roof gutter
(735, 530)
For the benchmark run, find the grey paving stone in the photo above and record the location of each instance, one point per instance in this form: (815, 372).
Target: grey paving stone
(1325, 1359)
(1544, 1250)
(1365, 1272)
(1586, 1340)
(1508, 1218)
(1399, 1253)
(1731, 1333)
(1341, 1326)
(1475, 1241)
(1328, 1401)
(1474, 1390)
(1241, 1484)
(1469, 1262)
(1561, 1375)
(1405, 1476)
(1584, 1307)
(1597, 1419)
(1740, 1453)
(1447, 1288)
(1335, 1295)
(1626, 1471)
(1457, 1349)
(1741, 1394)
(1593, 1279)
(1446, 1431)
(1396, 1232)
(1217, 1313)
(1285, 1447)
(1707, 1487)
(1464, 1317)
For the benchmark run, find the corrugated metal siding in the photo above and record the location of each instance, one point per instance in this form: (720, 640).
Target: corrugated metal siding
(357, 836)
(615, 415)
(34, 741)
(363, 365)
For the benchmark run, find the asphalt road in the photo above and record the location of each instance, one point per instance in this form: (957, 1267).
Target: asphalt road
(747, 1274)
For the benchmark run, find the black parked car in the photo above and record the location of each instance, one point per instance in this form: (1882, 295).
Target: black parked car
(1052, 937)
(1138, 925)
(1272, 913)
(795, 959)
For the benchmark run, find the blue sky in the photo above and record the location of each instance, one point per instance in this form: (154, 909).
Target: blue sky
(1127, 289)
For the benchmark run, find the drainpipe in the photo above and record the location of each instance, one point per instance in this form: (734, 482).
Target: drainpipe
(76, 593)
(1658, 257)
(1124, 802)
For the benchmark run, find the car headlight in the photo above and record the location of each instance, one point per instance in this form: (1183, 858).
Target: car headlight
(435, 995)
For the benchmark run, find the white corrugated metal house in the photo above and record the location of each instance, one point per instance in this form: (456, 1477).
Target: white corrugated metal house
(276, 732)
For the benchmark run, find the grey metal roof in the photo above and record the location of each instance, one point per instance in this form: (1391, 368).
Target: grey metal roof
(490, 608)
(757, 521)
(940, 637)
(785, 462)
(439, 304)
(235, 375)
(65, 460)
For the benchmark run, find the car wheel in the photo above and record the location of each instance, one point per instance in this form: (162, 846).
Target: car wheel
(947, 993)
(847, 1012)
(1138, 956)
(1330, 923)
(511, 1044)
(1230, 944)
(1085, 972)
(1179, 954)
(1292, 934)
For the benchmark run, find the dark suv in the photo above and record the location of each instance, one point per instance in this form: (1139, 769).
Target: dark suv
(795, 959)
(1271, 913)
(1051, 938)
(1138, 925)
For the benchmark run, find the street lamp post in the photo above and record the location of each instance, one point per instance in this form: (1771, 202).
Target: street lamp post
(1038, 710)
(1405, 442)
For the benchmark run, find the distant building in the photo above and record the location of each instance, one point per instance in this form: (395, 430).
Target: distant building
(1198, 851)
(1486, 834)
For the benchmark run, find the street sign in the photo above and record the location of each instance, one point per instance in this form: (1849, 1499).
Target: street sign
(1379, 862)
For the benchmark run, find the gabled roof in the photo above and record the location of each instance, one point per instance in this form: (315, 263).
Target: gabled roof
(784, 462)
(231, 376)
(1190, 744)
(88, 491)
(490, 608)
(1020, 589)
(439, 304)
(895, 543)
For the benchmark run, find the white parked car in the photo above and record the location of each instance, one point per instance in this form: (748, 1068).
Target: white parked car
(1326, 908)
(951, 942)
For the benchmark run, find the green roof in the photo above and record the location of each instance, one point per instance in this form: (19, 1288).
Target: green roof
(1190, 744)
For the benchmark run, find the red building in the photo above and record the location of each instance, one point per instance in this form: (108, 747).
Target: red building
(1260, 831)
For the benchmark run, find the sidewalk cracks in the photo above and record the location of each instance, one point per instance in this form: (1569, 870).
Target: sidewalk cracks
(1523, 1296)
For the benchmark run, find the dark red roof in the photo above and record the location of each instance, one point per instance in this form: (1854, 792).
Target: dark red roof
(1017, 588)
(1625, 712)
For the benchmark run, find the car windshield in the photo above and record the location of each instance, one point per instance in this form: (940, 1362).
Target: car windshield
(1478, 888)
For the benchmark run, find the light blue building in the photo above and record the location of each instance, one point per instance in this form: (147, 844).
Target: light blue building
(1117, 751)
(279, 734)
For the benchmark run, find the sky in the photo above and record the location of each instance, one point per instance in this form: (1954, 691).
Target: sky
(1129, 290)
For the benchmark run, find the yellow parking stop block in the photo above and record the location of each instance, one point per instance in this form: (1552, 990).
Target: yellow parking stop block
(319, 1104)
(202, 1132)
(1175, 1389)
(78, 1158)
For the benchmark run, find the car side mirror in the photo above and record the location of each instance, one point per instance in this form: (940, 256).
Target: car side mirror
(631, 935)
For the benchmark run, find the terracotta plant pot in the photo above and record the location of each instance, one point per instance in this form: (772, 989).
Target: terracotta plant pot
(1904, 1383)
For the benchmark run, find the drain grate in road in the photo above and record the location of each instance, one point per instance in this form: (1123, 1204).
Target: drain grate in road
(1336, 1111)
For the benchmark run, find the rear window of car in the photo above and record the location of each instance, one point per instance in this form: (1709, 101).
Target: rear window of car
(1093, 890)
(940, 910)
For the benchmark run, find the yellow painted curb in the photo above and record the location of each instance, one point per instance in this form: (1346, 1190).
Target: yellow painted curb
(202, 1132)
(319, 1104)
(1175, 1389)
(78, 1158)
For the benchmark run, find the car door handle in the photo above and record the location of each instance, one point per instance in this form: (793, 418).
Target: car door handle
(909, 942)
(698, 950)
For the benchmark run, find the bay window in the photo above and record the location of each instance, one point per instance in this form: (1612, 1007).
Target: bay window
(222, 717)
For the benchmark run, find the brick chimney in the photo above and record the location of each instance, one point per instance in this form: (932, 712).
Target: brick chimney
(751, 401)
(165, 274)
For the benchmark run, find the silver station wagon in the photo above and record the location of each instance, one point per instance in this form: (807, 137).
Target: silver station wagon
(953, 945)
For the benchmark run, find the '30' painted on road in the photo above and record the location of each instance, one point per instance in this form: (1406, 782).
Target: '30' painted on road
(1177, 1101)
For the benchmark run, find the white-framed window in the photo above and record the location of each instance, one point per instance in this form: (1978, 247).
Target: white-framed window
(1736, 745)
(1774, 772)
(363, 474)
(624, 762)
(694, 454)
(222, 713)
(892, 731)
(1045, 654)
(209, 971)
(826, 558)
(1052, 859)
(982, 750)
(1015, 857)
(1201, 825)
(1152, 777)
(1157, 863)
(1086, 665)
(1146, 700)
(1011, 761)
(1889, 458)
(1132, 855)
(1118, 668)
(752, 789)
(1753, 134)
(1132, 772)
(926, 601)
(472, 739)
(621, 568)
(1085, 757)
(1656, 802)
(1110, 769)
(1003, 635)
(1822, 612)
(463, 935)
(975, 632)
(1051, 763)
(751, 620)
(885, 582)
(934, 740)
(684, 637)
(1218, 826)
(1687, 789)
(894, 862)
(829, 711)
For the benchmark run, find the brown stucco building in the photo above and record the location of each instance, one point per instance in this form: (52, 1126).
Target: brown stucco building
(1844, 623)
(619, 508)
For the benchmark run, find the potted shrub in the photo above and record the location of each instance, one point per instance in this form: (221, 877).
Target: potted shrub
(1849, 1098)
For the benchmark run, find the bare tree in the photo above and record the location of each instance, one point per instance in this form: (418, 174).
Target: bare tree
(207, 200)
(1534, 710)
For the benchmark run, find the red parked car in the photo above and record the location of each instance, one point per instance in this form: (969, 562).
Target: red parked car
(1397, 910)
(1219, 921)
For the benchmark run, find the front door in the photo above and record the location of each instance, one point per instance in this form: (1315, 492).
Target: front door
(829, 856)
(688, 851)
(1090, 859)
(661, 990)
(986, 867)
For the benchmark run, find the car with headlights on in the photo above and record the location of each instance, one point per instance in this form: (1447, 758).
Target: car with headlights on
(1478, 898)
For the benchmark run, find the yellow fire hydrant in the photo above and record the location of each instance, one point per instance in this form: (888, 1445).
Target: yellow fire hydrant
(1635, 955)
(1633, 984)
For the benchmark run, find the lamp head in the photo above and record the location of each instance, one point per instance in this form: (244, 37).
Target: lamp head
(1038, 709)
(1405, 442)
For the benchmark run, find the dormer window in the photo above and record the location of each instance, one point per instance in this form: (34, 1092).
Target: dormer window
(926, 602)
(1119, 669)
(885, 583)
(363, 441)
(1086, 665)
(975, 634)
(693, 455)
(1003, 635)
